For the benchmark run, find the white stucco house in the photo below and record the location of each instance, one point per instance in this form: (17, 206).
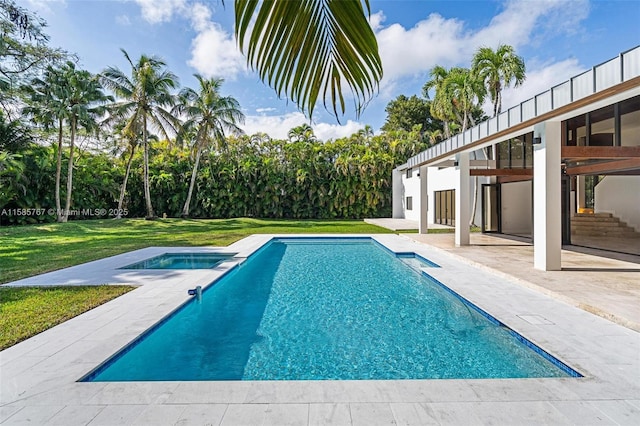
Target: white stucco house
(562, 163)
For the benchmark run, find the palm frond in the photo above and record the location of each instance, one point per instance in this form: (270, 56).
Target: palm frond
(306, 50)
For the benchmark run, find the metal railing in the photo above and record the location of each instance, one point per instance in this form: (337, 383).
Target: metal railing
(622, 68)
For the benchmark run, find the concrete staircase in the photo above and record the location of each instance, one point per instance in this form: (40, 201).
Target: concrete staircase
(600, 225)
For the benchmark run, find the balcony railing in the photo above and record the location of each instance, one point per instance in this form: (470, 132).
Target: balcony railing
(622, 68)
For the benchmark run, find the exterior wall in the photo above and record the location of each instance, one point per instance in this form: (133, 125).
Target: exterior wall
(397, 194)
(444, 179)
(411, 189)
(517, 207)
(620, 195)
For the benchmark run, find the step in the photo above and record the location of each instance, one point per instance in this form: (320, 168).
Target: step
(616, 232)
(592, 218)
(592, 215)
(598, 224)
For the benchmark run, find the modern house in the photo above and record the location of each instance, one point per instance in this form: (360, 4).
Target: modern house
(562, 167)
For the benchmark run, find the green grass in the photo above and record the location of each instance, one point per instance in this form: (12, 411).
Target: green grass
(27, 311)
(30, 250)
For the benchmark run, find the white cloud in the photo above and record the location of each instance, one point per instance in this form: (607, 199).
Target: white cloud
(278, 126)
(157, 11)
(263, 110)
(214, 52)
(447, 42)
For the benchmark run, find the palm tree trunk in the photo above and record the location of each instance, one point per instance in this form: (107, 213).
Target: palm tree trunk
(59, 172)
(185, 209)
(147, 191)
(123, 190)
(67, 205)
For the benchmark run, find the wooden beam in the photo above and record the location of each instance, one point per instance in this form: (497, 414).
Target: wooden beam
(599, 152)
(606, 167)
(501, 172)
(507, 179)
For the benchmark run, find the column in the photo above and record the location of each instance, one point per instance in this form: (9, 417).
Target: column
(547, 213)
(463, 204)
(422, 221)
(581, 199)
(397, 194)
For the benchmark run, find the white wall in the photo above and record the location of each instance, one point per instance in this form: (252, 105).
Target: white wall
(444, 179)
(517, 207)
(411, 189)
(397, 195)
(620, 195)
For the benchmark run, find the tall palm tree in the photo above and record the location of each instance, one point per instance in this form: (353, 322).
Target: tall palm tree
(46, 98)
(66, 95)
(143, 98)
(207, 115)
(440, 107)
(497, 69)
(85, 103)
(307, 49)
(465, 92)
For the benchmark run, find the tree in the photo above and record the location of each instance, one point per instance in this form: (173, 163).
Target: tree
(497, 69)
(84, 103)
(23, 48)
(143, 99)
(307, 49)
(465, 92)
(208, 115)
(302, 133)
(47, 107)
(70, 95)
(441, 107)
(403, 113)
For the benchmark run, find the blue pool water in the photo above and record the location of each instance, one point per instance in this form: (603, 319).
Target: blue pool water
(322, 309)
(181, 261)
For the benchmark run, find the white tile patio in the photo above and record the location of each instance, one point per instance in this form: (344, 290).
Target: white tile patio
(38, 377)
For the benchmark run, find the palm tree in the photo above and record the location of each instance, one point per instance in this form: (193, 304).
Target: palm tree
(307, 49)
(301, 133)
(85, 99)
(465, 92)
(47, 107)
(497, 69)
(144, 96)
(440, 107)
(70, 95)
(208, 115)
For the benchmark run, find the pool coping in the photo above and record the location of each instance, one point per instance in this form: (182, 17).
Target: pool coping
(38, 376)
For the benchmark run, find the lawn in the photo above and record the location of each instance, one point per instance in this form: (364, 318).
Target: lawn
(27, 311)
(30, 250)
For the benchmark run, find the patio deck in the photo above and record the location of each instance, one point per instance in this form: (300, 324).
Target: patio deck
(38, 377)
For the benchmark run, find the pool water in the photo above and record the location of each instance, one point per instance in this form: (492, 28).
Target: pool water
(319, 310)
(181, 261)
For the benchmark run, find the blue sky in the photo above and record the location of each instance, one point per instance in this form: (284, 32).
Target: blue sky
(557, 39)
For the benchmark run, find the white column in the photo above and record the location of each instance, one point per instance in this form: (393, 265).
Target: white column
(463, 204)
(422, 221)
(547, 220)
(397, 194)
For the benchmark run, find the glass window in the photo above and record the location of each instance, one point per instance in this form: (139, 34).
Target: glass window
(517, 153)
(630, 122)
(577, 131)
(409, 203)
(602, 127)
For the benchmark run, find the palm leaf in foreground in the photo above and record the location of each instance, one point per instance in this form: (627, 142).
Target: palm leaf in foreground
(306, 49)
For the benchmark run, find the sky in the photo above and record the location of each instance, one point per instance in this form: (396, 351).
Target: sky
(556, 38)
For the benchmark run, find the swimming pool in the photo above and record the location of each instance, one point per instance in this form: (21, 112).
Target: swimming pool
(181, 261)
(318, 309)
